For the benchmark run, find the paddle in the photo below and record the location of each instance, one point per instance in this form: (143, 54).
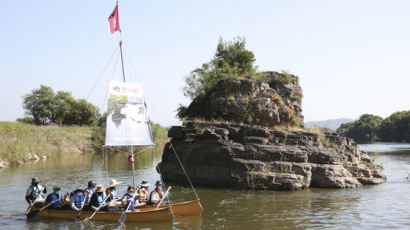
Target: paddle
(82, 206)
(89, 218)
(166, 193)
(34, 213)
(123, 216)
(35, 200)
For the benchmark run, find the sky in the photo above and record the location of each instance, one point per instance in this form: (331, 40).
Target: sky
(352, 57)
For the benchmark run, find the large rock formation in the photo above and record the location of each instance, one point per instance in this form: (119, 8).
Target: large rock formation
(237, 152)
(277, 101)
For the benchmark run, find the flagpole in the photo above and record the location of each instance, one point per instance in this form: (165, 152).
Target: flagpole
(123, 77)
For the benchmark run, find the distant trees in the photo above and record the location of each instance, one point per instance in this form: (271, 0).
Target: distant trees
(44, 107)
(231, 60)
(370, 128)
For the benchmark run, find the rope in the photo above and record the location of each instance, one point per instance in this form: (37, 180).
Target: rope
(109, 147)
(186, 174)
(102, 73)
(153, 109)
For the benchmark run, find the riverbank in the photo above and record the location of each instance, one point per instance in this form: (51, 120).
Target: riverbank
(21, 143)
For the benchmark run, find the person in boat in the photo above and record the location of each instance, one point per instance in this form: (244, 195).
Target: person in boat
(129, 199)
(88, 192)
(97, 200)
(156, 195)
(36, 193)
(111, 191)
(54, 197)
(77, 199)
(143, 192)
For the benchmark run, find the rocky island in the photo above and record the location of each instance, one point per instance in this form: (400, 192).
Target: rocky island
(247, 132)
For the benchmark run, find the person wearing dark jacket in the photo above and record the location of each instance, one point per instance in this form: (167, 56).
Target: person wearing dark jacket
(35, 193)
(97, 199)
(55, 198)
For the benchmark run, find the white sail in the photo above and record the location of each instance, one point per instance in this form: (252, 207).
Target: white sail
(127, 120)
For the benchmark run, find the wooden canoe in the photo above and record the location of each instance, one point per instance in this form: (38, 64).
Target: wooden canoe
(152, 215)
(186, 208)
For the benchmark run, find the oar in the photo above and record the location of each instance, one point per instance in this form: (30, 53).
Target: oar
(41, 191)
(124, 214)
(82, 206)
(408, 176)
(34, 213)
(89, 218)
(166, 193)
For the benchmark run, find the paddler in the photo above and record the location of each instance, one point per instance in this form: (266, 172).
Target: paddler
(76, 199)
(113, 193)
(143, 192)
(54, 197)
(129, 199)
(97, 199)
(156, 195)
(35, 193)
(88, 192)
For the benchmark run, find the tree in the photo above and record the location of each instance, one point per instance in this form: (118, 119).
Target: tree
(363, 130)
(396, 127)
(231, 60)
(62, 108)
(40, 105)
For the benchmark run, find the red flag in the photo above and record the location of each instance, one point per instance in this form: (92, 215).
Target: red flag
(114, 20)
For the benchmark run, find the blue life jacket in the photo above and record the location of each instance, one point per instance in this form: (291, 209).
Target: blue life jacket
(100, 198)
(78, 200)
(114, 193)
(132, 204)
(89, 191)
(54, 197)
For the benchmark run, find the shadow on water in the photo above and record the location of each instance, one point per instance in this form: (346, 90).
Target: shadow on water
(370, 207)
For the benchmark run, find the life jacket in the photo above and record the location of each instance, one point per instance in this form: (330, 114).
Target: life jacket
(157, 196)
(131, 205)
(57, 203)
(143, 196)
(78, 200)
(35, 191)
(100, 198)
(113, 192)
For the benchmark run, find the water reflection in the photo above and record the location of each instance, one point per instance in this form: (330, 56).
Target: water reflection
(370, 207)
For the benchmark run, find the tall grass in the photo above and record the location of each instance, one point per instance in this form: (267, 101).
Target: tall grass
(18, 139)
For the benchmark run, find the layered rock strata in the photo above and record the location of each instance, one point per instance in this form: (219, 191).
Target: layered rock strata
(255, 157)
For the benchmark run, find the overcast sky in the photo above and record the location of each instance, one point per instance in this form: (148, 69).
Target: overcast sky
(352, 57)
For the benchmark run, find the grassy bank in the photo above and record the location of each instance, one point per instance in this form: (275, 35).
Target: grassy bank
(18, 140)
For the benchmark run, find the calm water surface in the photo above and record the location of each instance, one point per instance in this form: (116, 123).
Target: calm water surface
(371, 207)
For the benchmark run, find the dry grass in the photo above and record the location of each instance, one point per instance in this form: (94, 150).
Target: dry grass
(17, 139)
(277, 99)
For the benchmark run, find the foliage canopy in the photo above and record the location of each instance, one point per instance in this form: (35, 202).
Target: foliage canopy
(231, 60)
(44, 107)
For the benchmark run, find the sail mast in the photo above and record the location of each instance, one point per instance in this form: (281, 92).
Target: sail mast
(123, 77)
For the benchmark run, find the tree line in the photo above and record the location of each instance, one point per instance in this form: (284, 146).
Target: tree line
(43, 106)
(371, 128)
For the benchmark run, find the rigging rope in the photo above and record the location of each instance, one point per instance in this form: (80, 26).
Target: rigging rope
(172, 146)
(102, 73)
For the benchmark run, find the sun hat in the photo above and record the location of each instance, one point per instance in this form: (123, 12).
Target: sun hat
(100, 188)
(92, 184)
(144, 184)
(79, 188)
(113, 183)
(35, 179)
(56, 188)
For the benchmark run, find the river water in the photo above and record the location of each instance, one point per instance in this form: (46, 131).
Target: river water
(370, 207)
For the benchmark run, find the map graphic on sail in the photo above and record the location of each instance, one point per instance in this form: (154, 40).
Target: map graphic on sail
(127, 120)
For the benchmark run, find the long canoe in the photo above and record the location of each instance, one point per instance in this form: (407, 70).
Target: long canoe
(186, 208)
(151, 215)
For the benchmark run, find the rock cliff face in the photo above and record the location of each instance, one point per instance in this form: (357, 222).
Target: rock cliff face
(249, 148)
(255, 157)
